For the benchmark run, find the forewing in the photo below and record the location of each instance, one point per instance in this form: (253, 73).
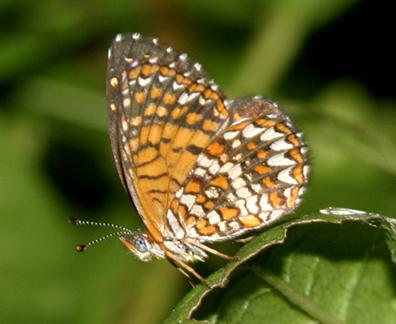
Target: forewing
(250, 175)
(162, 111)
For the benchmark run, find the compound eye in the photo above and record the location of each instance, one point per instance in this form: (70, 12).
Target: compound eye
(140, 244)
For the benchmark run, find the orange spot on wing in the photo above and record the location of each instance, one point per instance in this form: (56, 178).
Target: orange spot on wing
(209, 94)
(209, 125)
(193, 118)
(268, 182)
(191, 220)
(148, 69)
(262, 169)
(283, 128)
(250, 221)
(134, 73)
(296, 155)
(154, 135)
(292, 138)
(229, 213)
(169, 130)
(298, 173)
(215, 148)
(261, 154)
(169, 98)
(178, 112)
(220, 181)
(134, 144)
(155, 92)
(135, 121)
(200, 199)
(236, 117)
(291, 201)
(140, 96)
(275, 199)
(209, 204)
(182, 211)
(240, 126)
(173, 206)
(221, 108)
(195, 87)
(203, 228)
(144, 134)
(251, 146)
(265, 122)
(200, 139)
(182, 80)
(193, 186)
(150, 109)
(165, 71)
(161, 111)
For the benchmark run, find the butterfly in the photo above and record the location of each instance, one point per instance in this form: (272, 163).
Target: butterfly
(198, 167)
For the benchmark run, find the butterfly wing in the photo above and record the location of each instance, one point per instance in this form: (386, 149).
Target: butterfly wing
(162, 112)
(251, 174)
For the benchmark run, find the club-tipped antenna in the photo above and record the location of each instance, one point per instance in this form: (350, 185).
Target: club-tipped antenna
(84, 247)
(80, 222)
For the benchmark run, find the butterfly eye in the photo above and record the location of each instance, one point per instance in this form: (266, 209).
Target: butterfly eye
(140, 244)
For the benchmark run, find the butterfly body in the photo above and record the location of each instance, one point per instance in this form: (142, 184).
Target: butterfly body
(198, 168)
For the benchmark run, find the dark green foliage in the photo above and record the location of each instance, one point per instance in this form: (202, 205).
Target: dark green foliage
(333, 269)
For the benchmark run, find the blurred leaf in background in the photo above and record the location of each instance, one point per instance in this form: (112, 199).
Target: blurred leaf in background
(329, 64)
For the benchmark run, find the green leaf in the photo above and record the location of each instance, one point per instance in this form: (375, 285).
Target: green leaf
(330, 267)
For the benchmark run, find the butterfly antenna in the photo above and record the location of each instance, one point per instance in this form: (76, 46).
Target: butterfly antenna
(84, 247)
(79, 222)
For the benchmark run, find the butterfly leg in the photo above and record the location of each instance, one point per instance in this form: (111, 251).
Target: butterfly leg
(185, 269)
(210, 250)
(185, 274)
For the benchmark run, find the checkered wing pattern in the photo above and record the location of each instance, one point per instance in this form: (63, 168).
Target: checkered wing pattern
(163, 112)
(251, 174)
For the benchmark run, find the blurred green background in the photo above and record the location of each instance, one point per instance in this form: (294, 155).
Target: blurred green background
(329, 64)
